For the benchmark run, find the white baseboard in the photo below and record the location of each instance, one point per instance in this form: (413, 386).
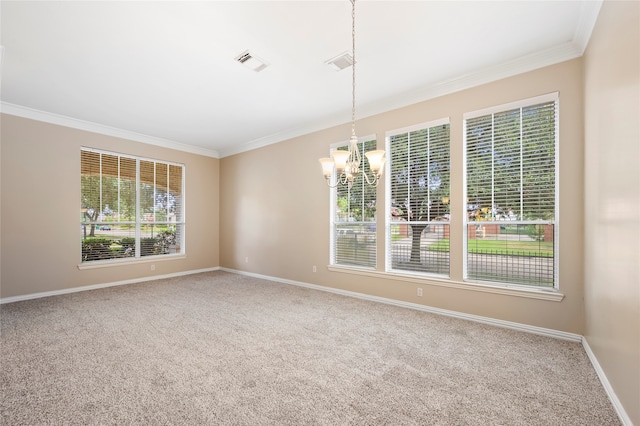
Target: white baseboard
(617, 405)
(476, 318)
(104, 285)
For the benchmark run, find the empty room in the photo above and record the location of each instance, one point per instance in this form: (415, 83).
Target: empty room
(349, 212)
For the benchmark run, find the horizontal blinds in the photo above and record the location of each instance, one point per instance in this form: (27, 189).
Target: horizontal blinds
(121, 218)
(419, 181)
(108, 190)
(148, 191)
(160, 192)
(175, 206)
(357, 202)
(511, 164)
(355, 244)
(354, 219)
(511, 192)
(127, 198)
(420, 174)
(539, 161)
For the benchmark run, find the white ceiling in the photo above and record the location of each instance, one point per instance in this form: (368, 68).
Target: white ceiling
(165, 72)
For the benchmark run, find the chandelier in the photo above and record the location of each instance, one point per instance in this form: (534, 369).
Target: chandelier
(347, 164)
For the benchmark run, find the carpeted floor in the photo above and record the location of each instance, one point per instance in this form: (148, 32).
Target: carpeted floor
(225, 349)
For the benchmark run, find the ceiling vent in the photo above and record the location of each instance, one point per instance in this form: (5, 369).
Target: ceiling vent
(252, 62)
(340, 62)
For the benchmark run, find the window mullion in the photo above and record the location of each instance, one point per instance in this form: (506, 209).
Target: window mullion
(153, 202)
(137, 212)
(362, 185)
(119, 181)
(428, 183)
(408, 206)
(493, 163)
(521, 168)
(100, 191)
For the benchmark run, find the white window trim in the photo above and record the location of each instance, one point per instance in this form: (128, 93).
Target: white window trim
(146, 259)
(507, 289)
(387, 199)
(97, 264)
(550, 97)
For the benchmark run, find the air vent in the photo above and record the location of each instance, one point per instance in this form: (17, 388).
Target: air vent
(252, 62)
(340, 62)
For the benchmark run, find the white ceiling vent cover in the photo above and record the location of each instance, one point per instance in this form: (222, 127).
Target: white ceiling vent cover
(340, 62)
(252, 62)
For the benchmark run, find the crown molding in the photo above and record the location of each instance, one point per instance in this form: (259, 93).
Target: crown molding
(589, 11)
(283, 136)
(541, 59)
(74, 123)
(552, 56)
(570, 50)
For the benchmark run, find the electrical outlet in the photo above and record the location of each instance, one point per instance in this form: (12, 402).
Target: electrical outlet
(246, 260)
(314, 268)
(420, 292)
(153, 267)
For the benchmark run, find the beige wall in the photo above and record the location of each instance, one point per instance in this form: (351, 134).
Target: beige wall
(274, 205)
(612, 178)
(40, 200)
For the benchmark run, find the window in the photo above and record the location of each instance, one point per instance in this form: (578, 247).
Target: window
(418, 188)
(129, 207)
(511, 193)
(354, 221)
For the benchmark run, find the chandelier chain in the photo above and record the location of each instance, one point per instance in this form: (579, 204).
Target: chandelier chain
(353, 68)
(347, 163)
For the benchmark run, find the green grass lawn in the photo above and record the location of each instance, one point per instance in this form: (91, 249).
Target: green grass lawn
(504, 247)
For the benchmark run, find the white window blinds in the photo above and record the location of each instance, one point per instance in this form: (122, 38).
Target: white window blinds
(130, 207)
(511, 164)
(419, 190)
(511, 193)
(354, 218)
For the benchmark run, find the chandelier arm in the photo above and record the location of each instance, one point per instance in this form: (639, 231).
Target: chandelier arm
(374, 182)
(332, 186)
(342, 179)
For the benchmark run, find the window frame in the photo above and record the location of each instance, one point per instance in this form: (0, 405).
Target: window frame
(388, 200)
(547, 98)
(138, 223)
(333, 223)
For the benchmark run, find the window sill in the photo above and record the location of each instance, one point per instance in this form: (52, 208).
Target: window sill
(506, 289)
(133, 261)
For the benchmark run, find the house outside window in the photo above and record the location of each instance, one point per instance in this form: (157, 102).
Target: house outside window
(130, 207)
(353, 227)
(418, 193)
(511, 191)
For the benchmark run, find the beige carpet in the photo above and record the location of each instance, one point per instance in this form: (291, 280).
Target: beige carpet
(224, 349)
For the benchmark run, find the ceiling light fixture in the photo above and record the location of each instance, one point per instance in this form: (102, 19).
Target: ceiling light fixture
(347, 163)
